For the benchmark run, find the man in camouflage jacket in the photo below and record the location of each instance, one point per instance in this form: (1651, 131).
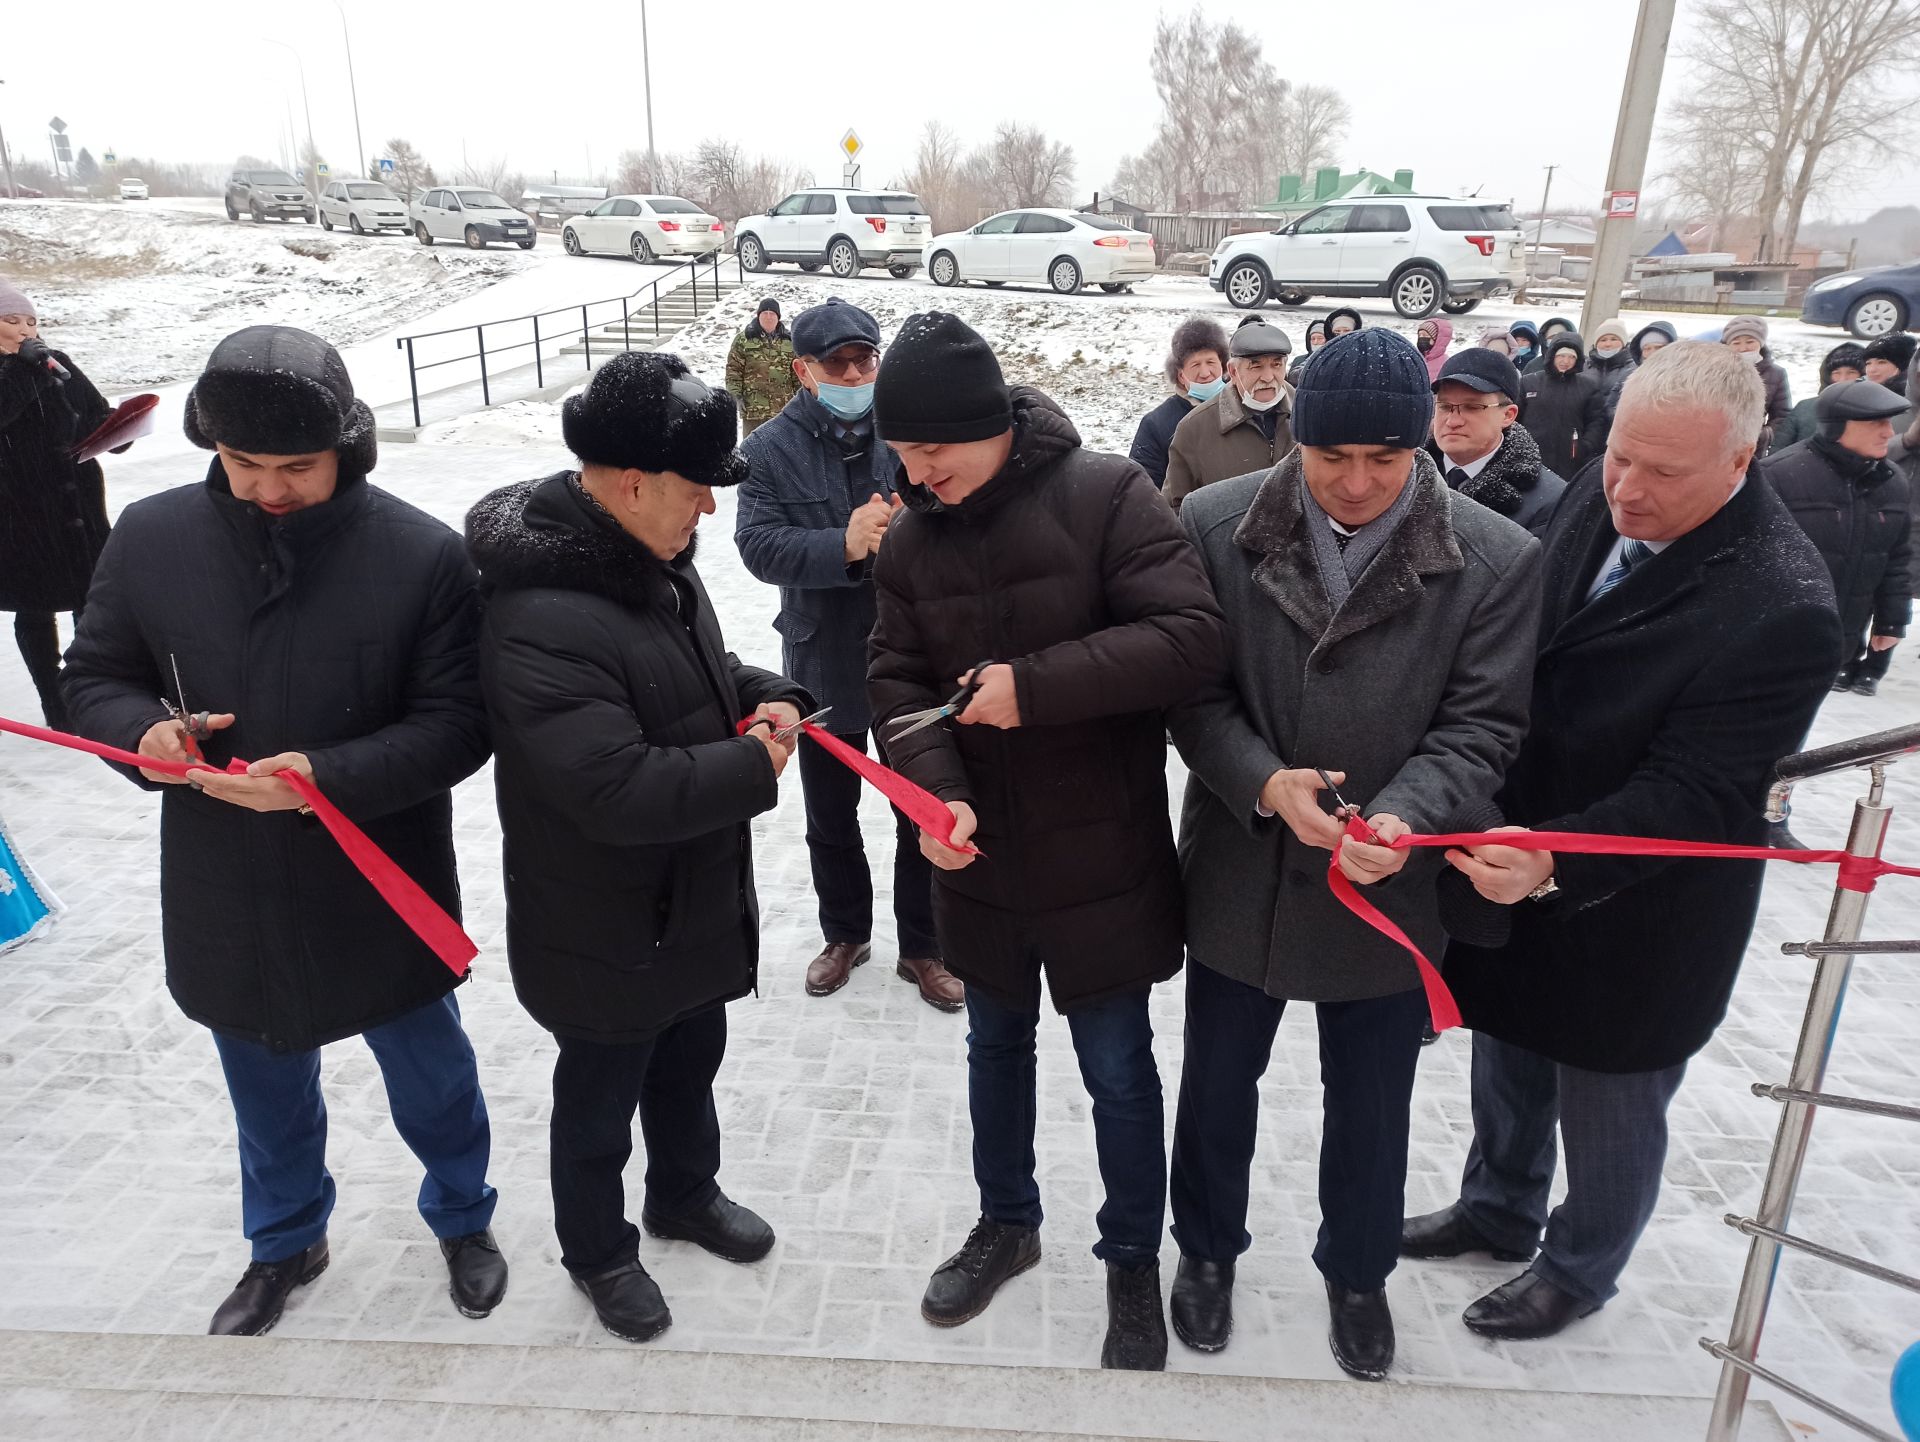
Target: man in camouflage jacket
(760, 367)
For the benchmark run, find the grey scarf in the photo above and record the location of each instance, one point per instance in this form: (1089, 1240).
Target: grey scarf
(1340, 569)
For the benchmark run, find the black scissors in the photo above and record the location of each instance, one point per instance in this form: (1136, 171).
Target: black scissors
(1343, 809)
(913, 721)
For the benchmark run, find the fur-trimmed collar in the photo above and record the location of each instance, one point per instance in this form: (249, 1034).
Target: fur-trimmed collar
(1275, 527)
(549, 534)
(1503, 482)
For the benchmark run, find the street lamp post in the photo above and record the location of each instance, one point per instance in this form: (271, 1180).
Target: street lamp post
(353, 88)
(313, 151)
(646, 71)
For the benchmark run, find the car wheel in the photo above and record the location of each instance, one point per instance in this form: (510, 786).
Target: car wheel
(996, 284)
(353, 224)
(1245, 285)
(1113, 287)
(1064, 275)
(310, 217)
(474, 242)
(944, 269)
(1417, 293)
(1873, 316)
(232, 214)
(753, 255)
(1293, 297)
(420, 233)
(326, 222)
(570, 242)
(524, 244)
(842, 259)
(642, 252)
(1463, 306)
(810, 266)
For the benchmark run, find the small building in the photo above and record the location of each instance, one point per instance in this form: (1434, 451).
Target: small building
(1134, 215)
(1296, 196)
(555, 201)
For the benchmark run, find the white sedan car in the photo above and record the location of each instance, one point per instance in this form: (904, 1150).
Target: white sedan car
(133, 188)
(1061, 248)
(362, 206)
(643, 226)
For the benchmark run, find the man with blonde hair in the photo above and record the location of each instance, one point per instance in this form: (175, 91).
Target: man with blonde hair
(1687, 636)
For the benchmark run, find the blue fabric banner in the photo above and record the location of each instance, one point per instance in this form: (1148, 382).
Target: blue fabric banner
(26, 906)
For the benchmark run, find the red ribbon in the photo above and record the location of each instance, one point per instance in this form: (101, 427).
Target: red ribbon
(423, 915)
(919, 805)
(1857, 873)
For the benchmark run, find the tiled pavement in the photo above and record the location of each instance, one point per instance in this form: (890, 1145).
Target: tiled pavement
(845, 1124)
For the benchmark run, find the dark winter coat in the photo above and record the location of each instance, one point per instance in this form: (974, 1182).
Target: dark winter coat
(344, 631)
(1779, 399)
(1525, 358)
(1611, 371)
(1857, 513)
(760, 371)
(1658, 710)
(625, 793)
(791, 527)
(1566, 412)
(1803, 421)
(1513, 484)
(53, 509)
(1220, 438)
(1416, 688)
(1540, 356)
(1154, 438)
(1069, 567)
(1658, 327)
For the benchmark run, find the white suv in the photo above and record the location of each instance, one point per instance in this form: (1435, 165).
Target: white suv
(840, 229)
(1424, 253)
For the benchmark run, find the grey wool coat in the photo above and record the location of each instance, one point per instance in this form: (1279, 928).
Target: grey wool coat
(1417, 688)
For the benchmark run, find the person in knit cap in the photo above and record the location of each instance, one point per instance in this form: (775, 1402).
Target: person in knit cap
(1888, 359)
(328, 628)
(1746, 336)
(1431, 338)
(1383, 631)
(1845, 362)
(1610, 359)
(1496, 338)
(1552, 326)
(1243, 428)
(53, 509)
(1053, 584)
(627, 790)
(760, 367)
(1197, 371)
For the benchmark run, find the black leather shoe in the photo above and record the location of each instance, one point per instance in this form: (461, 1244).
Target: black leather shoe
(961, 1286)
(1448, 1233)
(1865, 686)
(1842, 682)
(723, 1227)
(476, 1272)
(627, 1302)
(1202, 1303)
(1136, 1327)
(258, 1299)
(1362, 1332)
(1529, 1306)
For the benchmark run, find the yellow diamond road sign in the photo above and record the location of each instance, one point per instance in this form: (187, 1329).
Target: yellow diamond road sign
(850, 143)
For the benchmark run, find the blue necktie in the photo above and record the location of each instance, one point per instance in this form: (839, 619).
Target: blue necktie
(1631, 555)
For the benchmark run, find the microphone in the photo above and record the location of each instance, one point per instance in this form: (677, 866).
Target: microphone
(36, 352)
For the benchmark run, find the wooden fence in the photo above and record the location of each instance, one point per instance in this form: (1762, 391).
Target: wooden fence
(1175, 233)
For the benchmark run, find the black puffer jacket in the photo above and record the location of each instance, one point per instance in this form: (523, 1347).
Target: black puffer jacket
(1068, 566)
(53, 509)
(1779, 399)
(1855, 510)
(624, 792)
(1566, 411)
(345, 631)
(1154, 437)
(1540, 355)
(1611, 371)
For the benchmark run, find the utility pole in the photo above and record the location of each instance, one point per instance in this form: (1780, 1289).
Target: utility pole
(1626, 171)
(6, 157)
(353, 89)
(313, 151)
(646, 70)
(1538, 231)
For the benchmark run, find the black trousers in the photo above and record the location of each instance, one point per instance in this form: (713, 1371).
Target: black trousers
(1869, 665)
(38, 635)
(596, 1089)
(1368, 1052)
(841, 878)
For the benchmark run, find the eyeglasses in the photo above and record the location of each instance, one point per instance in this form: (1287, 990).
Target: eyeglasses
(847, 367)
(1466, 410)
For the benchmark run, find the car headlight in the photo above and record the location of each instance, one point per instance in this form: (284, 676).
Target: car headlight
(1834, 282)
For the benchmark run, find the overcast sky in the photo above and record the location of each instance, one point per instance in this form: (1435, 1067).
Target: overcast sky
(1463, 99)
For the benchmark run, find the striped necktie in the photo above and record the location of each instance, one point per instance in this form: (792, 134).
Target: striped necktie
(1631, 555)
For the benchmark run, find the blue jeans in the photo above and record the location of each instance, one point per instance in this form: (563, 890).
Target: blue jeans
(1114, 1042)
(433, 1092)
(1368, 1052)
(1615, 1126)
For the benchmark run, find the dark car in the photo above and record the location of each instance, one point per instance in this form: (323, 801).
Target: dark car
(261, 193)
(1870, 303)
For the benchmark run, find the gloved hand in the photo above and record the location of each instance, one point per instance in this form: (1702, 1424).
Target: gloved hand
(35, 351)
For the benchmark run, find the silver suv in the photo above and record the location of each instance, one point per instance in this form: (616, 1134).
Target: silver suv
(1422, 252)
(261, 193)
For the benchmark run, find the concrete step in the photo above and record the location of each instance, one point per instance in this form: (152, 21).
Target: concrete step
(78, 1385)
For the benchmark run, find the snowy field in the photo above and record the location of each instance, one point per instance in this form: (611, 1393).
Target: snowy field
(845, 1117)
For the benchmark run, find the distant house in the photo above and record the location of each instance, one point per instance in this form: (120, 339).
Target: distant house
(1296, 196)
(1113, 205)
(559, 200)
(1565, 234)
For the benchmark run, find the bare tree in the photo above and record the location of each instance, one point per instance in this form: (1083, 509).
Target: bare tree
(410, 169)
(1317, 117)
(948, 182)
(1805, 84)
(493, 175)
(1026, 168)
(1221, 106)
(720, 176)
(1137, 179)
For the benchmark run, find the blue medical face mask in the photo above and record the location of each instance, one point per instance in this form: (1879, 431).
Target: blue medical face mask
(849, 403)
(1200, 392)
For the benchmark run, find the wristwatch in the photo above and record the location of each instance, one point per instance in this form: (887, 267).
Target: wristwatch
(1547, 888)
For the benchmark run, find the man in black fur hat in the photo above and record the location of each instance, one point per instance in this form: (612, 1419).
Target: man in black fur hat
(626, 796)
(331, 628)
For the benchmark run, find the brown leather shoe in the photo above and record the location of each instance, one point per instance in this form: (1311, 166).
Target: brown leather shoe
(829, 971)
(939, 988)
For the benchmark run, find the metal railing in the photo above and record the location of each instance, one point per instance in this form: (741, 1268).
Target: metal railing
(640, 309)
(1803, 1094)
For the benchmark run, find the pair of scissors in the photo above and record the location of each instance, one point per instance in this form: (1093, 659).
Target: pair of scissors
(912, 721)
(194, 727)
(1343, 809)
(787, 733)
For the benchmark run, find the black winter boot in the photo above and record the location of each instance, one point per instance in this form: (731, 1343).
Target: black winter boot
(961, 1286)
(257, 1301)
(1136, 1328)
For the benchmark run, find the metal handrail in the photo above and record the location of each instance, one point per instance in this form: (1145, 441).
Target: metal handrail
(483, 353)
(1802, 1094)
